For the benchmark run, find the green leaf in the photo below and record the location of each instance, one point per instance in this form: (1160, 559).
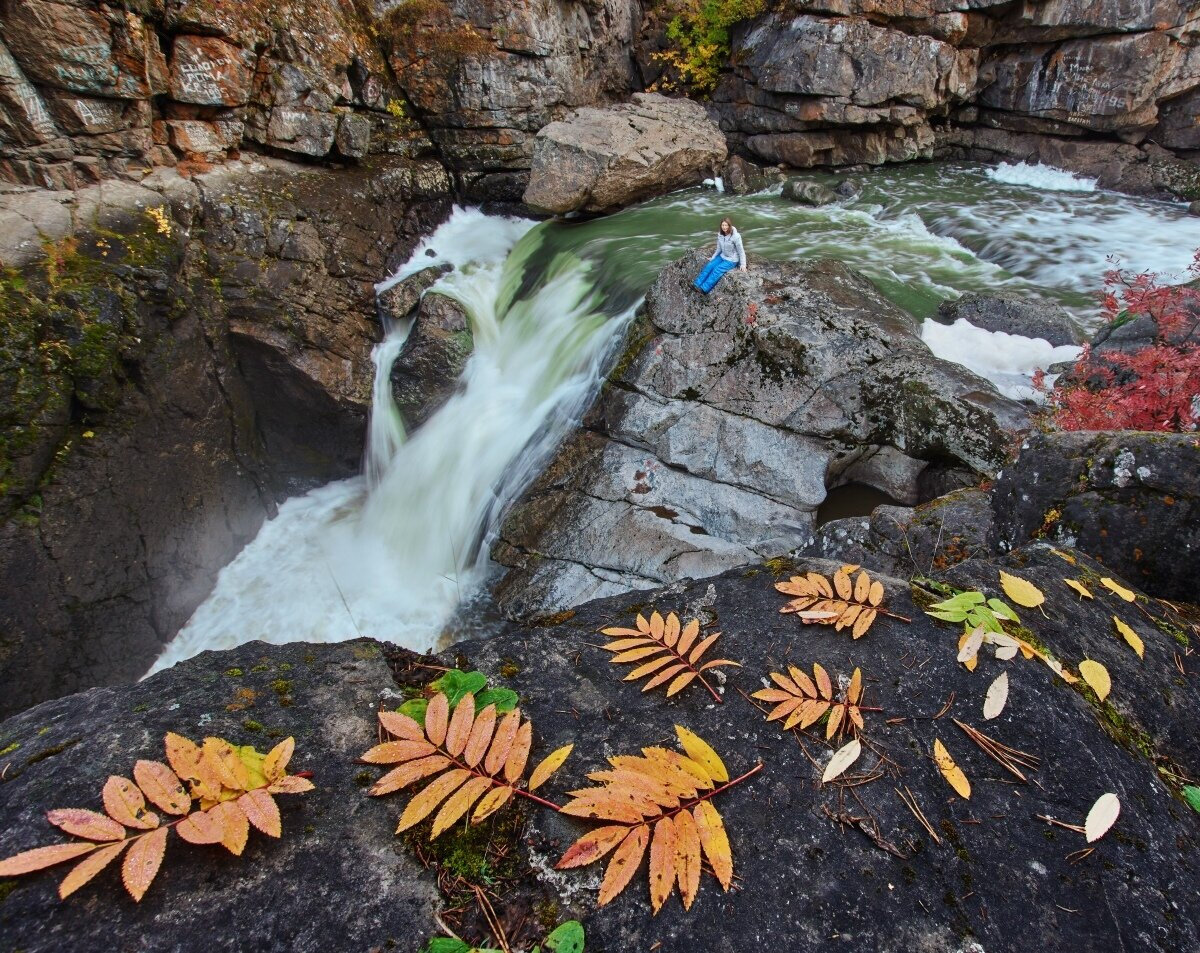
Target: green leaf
(415, 709)
(986, 619)
(964, 600)
(455, 684)
(1003, 609)
(566, 938)
(446, 944)
(505, 700)
(1191, 794)
(957, 616)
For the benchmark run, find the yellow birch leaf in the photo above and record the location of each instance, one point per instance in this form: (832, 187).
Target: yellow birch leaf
(715, 842)
(702, 753)
(1080, 588)
(624, 864)
(551, 763)
(1021, 591)
(1096, 675)
(1116, 587)
(87, 868)
(143, 861)
(951, 771)
(687, 857)
(662, 862)
(1134, 640)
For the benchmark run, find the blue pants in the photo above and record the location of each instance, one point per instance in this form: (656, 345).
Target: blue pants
(712, 273)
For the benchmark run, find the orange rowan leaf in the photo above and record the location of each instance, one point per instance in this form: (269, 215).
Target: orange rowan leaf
(126, 804)
(551, 763)
(715, 842)
(437, 718)
(624, 864)
(200, 827)
(848, 603)
(429, 797)
(481, 736)
(650, 667)
(824, 685)
(290, 785)
(397, 752)
(671, 630)
(182, 754)
(662, 862)
(39, 858)
(87, 824)
(862, 588)
(459, 803)
(461, 722)
(262, 811)
(142, 862)
(657, 626)
(88, 868)
(224, 762)
(687, 857)
(518, 755)
(592, 846)
(235, 827)
(495, 799)
(664, 676)
(401, 726)
(802, 701)
(162, 787)
(842, 585)
(666, 650)
(688, 636)
(275, 765)
(502, 742)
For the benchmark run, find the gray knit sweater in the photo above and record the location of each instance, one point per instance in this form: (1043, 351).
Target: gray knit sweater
(730, 247)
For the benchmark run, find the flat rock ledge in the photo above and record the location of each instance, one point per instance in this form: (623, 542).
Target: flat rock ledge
(818, 866)
(600, 159)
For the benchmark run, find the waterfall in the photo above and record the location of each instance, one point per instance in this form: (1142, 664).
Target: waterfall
(393, 554)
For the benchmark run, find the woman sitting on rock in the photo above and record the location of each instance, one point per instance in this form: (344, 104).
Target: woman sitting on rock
(729, 253)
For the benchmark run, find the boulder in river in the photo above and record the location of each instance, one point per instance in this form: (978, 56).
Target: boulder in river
(1013, 314)
(815, 862)
(808, 193)
(437, 349)
(600, 159)
(725, 421)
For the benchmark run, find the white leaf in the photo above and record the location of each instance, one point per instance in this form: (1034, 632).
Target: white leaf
(1005, 652)
(841, 760)
(997, 695)
(1101, 817)
(1006, 646)
(971, 647)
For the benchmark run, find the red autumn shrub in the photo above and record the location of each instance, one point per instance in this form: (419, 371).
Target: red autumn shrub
(1156, 387)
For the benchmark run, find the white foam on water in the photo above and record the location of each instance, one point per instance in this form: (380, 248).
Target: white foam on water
(394, 560)
(1007, 360)
(1040, 176)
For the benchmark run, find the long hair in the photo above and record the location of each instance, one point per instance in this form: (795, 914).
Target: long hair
(729, 222)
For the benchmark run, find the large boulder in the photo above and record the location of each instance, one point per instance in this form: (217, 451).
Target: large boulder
(726, 420)
(1131, 499)
(601, 159)
(1013, 314)
(437, 349)
(816, 863)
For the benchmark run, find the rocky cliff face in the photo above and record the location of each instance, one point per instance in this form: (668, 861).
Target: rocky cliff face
(1063, 81)
(91, 89)
(184, 354)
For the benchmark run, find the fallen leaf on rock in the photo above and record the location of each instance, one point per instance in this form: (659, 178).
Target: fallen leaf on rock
(1080, 588)
(841, 760)
(997, 695)
(1116, 587)
(969, 649)
(1021, 591)
(1101, 817)
(950, 771)
(1131, 637)
(1096, 675)
(665, 653)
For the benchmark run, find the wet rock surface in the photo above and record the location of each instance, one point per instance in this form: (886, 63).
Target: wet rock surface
(598, 160)
(426, 373)
(814, 863)
(1013, 314)
(206, 363)
(726, 420)
(1131, 499)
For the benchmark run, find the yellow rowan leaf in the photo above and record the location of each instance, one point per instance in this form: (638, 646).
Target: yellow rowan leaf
(666, 654)
(142, 863)
(1115, 587)
(458, 804)
(518, 755)
(624, 863)
(480, 737)
(862, 623)
(687, 857)
(262, 811)
(715, 842)
(183, 754)
(592, 846)
(875, 596)
(86, 869)
(1080, 588)
(235, 827)
(662, 862)
(951, 771)
(702, 753)
(275, 764)
(688, 637)
(292, 784)
(429, 797)
(551, 763)
(1096, 675)
(162, 787)
(842, 584)
(854, 692)
(126, 804)
(1134, 640)
(407, 773)
(671, 630)
(502, 742)
(437, 718)
(835, 719)
(1021, 591)
(495, 799)
(862, 588)
(223, 760)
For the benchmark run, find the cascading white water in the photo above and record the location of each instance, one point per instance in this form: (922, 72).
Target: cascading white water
(395, 559)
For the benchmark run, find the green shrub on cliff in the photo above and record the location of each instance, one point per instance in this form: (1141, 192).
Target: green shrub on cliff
(699, 38)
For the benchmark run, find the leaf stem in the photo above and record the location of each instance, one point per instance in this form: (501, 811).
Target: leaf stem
(534, 797)
(715, 791)
(719, 700)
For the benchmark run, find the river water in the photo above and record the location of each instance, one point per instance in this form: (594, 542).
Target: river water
(394, 553)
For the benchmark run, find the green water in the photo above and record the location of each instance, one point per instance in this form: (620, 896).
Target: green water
(922, 233)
